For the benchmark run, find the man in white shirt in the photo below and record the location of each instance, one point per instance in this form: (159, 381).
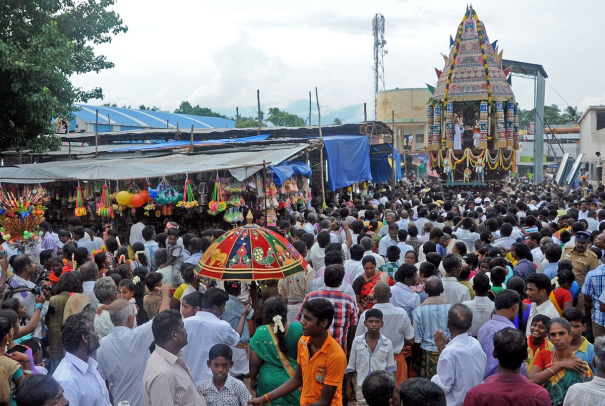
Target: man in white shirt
(206, 329)
(367, 244)
(353, 266)
(481, 306)
(310, 226)
(461, 361)
(402, 296)
(317, 253)
(136, 232)
(453, 291)
(389, 240)
(90, 272)
(533, 242)
(123, 353)
(583, 214)
(78, 234)
(462, 231)
(538, 292)
(150, 245)
(77, 373)
(391, 218)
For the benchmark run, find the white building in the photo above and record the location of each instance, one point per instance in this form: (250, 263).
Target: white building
(592, 136)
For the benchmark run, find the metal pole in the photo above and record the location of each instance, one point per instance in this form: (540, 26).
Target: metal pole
(365, 119)
(539, 129)
(393, 140)
(167, 123)
(237, 117)
(259, 117)
(321, 151)
(309, 108)
(96, 137)
(191, 140)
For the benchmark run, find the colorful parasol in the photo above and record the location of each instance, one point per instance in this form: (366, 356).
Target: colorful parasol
(250, 253)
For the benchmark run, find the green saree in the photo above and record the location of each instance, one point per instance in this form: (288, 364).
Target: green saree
(272, 372)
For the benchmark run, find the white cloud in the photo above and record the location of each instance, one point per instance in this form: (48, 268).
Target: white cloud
(218, 53)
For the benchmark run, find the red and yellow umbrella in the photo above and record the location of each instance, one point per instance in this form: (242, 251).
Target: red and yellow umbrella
(250, 253)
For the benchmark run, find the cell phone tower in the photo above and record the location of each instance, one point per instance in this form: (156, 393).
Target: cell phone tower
(379, 53)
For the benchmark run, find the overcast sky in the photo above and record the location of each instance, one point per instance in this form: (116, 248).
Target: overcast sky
(217, 53)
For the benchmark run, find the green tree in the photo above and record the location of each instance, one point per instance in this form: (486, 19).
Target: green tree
(187, 108)
(43, 43)
(552, 115)
(250, 122)
(284, 119)
(337, 121)
(154, 108)
(571, 114)
(109, 105)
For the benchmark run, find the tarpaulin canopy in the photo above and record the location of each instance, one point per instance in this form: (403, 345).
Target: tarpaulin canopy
(382, 170)
(240, 163)
(348, 159)
(182, 144)
(286, 170)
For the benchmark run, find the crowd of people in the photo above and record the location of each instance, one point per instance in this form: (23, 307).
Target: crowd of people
(410, 297)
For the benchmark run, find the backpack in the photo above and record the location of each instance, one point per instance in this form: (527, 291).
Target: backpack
(8, 290)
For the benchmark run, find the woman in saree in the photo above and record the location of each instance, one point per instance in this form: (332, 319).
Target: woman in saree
(273, 351)
(557, 369)
(363, 286)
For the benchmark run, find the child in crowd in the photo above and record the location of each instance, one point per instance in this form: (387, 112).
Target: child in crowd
(139, 256)
(126, 291)
(465, 274)
(497, 277)
(580, 346)
(36, 347)
(560, 296)
(174, 251)
(370, 352)
(191, 304)
(235, 314)
(537, 341)
(427, 270)
(153, 299)
(223, 389)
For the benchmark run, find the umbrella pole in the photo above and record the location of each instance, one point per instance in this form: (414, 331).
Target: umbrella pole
(265, 188)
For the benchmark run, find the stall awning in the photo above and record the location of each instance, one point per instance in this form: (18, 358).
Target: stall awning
(348, 160)
(286, 170)
(241, 164)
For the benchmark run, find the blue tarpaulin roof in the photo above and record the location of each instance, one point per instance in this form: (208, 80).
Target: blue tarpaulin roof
(348, 159)
(132, 118)
(286, 170)
(379, 163)
(180, 144)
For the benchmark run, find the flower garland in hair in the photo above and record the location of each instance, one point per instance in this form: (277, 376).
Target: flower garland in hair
(278, 325)
(136, 254)
(136, 280)
(555, 282)
(122, 259)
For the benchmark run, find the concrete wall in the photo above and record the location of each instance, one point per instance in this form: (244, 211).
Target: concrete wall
(409, 106)
(591, 140)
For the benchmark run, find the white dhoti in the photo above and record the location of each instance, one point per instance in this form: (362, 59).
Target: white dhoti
(457, 136)
(240, 362)
(293, 310)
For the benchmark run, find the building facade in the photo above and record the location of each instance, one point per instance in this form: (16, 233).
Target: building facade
(409, 106)
(592, 136)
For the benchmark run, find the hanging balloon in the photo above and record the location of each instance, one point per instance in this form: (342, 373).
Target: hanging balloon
(137, 200)
(123, 197)
(144, 194)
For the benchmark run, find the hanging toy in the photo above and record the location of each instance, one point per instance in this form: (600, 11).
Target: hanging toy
(80, 209)
(189, 201)
(150, 206)
(105, 210)
(217, 204)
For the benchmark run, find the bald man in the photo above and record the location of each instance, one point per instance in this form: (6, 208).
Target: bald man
(397, 327)
(428, 318)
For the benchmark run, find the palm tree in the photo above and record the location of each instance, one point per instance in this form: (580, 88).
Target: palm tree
(337, 121)
(571, 114)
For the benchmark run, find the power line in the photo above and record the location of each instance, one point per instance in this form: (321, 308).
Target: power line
(558, 94)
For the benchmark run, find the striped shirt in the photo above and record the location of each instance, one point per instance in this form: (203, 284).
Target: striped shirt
(586, 394)
(167, 381)
(345, 312)
(524, 268)
(48, 242)
(429, 317)
(593, 286)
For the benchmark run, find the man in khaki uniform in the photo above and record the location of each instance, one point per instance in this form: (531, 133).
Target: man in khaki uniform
(582, 259)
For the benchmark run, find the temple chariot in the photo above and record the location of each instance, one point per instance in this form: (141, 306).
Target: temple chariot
(473, 119)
